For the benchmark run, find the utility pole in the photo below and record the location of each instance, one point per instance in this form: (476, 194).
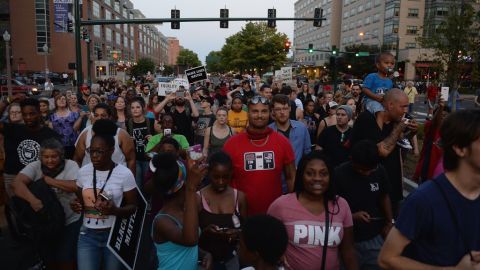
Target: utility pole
(78, 46)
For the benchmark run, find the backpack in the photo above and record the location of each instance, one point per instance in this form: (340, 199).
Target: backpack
(28, 225)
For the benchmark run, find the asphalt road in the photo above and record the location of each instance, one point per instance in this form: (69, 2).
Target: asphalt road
(420, 108)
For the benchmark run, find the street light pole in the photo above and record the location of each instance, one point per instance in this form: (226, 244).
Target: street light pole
(6, 37)
(45, 50)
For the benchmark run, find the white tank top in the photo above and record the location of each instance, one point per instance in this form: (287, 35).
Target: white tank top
(117, 157)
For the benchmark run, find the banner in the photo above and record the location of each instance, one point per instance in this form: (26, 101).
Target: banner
(125, 235)
(62, 10)
(196, 74)
(165, 88)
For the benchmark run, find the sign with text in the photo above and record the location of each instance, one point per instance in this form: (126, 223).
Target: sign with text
(165, 88)
(196, 74)
(125, 235)
(62, 10)
(286, 74)
(444, 93)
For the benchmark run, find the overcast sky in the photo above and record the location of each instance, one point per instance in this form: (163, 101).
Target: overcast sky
(203, 37)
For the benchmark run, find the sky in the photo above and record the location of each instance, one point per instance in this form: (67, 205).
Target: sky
(203, 37)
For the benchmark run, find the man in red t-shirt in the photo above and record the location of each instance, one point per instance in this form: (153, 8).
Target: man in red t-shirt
(432, 94)
(259, 157)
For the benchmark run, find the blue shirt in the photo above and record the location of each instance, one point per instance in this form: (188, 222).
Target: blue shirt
(377, 84)
(426, 221)
(299, 139)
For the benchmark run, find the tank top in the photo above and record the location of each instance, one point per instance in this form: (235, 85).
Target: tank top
(217, 244)
(173, 256)
(117, 157)
(216, 144)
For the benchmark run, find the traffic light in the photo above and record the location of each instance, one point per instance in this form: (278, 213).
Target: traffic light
(224, 14)
(70, 26)
(99, 54)
(85, 34)
(317, 17)
(356, 54)
(272, 14)
(310, 48)
(288, 44)
(175, 14)
(334, 50)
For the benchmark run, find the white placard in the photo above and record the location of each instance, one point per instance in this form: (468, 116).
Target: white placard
(444, 93)
(172, 86)
(286, 74)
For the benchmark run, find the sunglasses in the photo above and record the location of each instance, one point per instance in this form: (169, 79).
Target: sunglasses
(259, 99)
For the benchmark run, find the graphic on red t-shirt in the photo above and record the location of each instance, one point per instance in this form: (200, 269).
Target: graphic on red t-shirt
(255, 161)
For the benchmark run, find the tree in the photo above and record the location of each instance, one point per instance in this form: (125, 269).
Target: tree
(360, 65)
(168, 70)
(143, 66)
(454, 41)
(188, 59)
(214, 62)
(256, 46)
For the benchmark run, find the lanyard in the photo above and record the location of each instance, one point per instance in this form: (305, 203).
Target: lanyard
(104, 184)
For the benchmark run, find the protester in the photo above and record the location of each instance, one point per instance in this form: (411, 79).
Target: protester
(311, 120)
(336, 140)
(121, 113)
(432, 95)
(330, 120)
(60, 174)
(204, 120)
(105, 190)
(311, 209)
(218, 134)
(222, 209)
(237, 117)
(438, 226)
(44, 110)
(168, 130)
(260, 156)
(175, 230)
(263, 242)
(66, 123)
(364, 184)
(411, 92)
(73, 103)
(14, 112)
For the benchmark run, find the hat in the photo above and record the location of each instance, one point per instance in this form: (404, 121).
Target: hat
(347, 109)
(332, 104)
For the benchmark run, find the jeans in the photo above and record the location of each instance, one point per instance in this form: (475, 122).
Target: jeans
(92, 251)
(410, 108)
(367, 253)
(141, 169)
(374, 106)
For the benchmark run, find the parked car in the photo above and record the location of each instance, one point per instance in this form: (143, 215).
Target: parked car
(17, 87)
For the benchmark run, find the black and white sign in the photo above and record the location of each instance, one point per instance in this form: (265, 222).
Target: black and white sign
(125, 235)
(196, 74)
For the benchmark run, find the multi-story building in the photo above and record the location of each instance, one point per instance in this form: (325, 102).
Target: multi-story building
(322, 38)
(42, 24)
(173, 50)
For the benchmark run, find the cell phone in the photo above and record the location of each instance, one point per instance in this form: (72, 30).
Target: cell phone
(104, 197)
(167, 132)
(180, 93)
(376, 218)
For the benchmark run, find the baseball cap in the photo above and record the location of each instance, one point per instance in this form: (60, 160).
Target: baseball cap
(332, 104)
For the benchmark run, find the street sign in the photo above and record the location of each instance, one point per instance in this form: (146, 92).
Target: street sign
(125, 235)
(196, 74)
(363, 54)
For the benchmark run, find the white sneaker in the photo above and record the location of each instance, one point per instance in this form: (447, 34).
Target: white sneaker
(405, 144)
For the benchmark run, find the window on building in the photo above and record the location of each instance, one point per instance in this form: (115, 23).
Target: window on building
(125, 41)
(360, 9)
(442, 11)
(96, 9)
(359, 23)
(42, 25)
(367, 20)
(118, 38)
(346, 14)
(376, 18)
(108, 2)
(125, 29)
(378, 3)
(413, 12)
(132, 44)
(411, 45)
(108, 14)
(368, 5)
(97, 31)
(125, 13)
(412, 29)
(117, 6)
(108, 34)
(132, 31)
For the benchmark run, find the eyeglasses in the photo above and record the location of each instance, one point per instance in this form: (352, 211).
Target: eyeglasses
(95, 152)
(259, 99)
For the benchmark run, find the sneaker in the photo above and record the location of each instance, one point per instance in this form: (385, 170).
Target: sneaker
(405, 144)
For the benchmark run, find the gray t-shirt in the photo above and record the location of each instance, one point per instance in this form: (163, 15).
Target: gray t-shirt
(34, 172)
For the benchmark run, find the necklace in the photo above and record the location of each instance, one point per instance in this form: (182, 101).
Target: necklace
(261, 144)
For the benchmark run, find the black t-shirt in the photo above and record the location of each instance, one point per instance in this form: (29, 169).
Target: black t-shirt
(183, 122)
(293, 110)
(363, 193)
(366, 128)
(139, 132)
(311, 122)
(22, 145)
(335, 145)
(203, 122)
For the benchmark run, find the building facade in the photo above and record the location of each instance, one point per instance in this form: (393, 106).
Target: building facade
(110, 48)
(173, 50)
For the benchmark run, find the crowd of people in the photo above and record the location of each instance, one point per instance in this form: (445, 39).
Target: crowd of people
(256, 175)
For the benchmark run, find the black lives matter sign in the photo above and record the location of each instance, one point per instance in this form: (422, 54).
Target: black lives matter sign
(196, 74)
(125, 235)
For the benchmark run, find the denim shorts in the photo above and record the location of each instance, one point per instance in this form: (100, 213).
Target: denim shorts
(373, 106)
(65, 250)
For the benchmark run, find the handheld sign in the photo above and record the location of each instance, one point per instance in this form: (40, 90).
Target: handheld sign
(125, 235)
(165, 88)
(444, 93)
(196, 74)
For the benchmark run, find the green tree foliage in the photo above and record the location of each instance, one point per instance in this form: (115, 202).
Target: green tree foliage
(188, 59)
(256, 46)
(360, 65)
(144, 65)
(454, 41)
(213, 61)
(168, 70)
